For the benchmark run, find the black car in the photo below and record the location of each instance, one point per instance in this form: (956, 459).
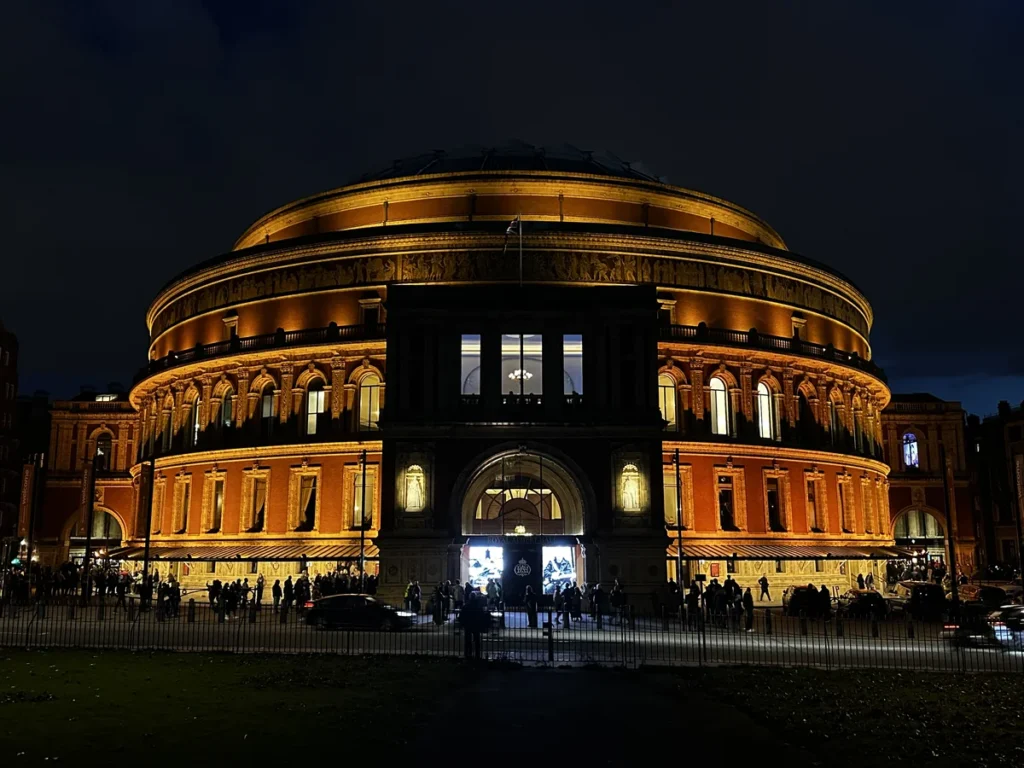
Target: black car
(863, 604)
(801, 601)
(359, 611)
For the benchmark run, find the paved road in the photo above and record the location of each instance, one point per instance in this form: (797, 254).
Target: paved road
(825, 644)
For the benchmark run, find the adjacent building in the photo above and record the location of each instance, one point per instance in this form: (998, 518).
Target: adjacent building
(919, 430)
(534, 365)
(998, 446)
(10, 466)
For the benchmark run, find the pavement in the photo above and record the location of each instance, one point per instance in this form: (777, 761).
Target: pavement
(645, 642)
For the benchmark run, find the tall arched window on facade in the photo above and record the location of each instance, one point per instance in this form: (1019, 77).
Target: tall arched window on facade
(765, 412)
(834, 424)
(192, 425)
(314, 405)
(719, 407)
(667, 399)
(369, 402)
(911, 457)
(104, 453)
(267, 409)
(225, 410)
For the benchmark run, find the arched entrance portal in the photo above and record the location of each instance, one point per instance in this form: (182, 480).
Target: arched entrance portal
(107, 534)
(921, 531)
(522, 514)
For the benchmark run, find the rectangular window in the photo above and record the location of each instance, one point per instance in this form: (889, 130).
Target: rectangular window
(259, 504)
(773, 498)
(362, 503)
(211, 567)
(818, 566)
(730, 565)
(671, 498)
(315, 404)
(470, 364)
(726, 510)
(254, 566)
(183, 497)
(812, 507)
(572, 364)
(307, 503)
(522, 364)
(218, 506)
(845, 507)
(780, 566)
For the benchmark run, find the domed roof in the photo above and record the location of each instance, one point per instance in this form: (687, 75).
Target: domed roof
(512, 155)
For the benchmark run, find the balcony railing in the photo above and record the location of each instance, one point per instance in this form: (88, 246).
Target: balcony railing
(280, 338)
(792, 345)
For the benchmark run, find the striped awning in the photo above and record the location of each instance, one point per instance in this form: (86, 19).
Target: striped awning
(785, 552)
(262, 553)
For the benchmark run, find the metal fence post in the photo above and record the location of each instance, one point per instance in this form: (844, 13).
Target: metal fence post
(839, 627)
(99, 610)
(551, 638)
(191, 616)
(767, 621)
(910, 629)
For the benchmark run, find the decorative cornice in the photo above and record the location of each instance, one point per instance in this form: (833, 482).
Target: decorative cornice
(255, 454)
(767, 453)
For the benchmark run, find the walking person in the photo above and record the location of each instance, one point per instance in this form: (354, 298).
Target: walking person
(559, 602)
(763, 583)
(261, 584)
(276, 593)
(531, 607)
(869, 581)
(860, 581)
(289, 593)
(475, 619)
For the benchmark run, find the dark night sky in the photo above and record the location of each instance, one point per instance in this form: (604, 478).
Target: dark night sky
(884, 139)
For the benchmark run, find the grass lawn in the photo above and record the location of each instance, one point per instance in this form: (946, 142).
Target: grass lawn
(105, 707)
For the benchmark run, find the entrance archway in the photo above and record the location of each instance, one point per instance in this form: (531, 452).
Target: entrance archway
(522, 511)
(920, 529)
(107, 533)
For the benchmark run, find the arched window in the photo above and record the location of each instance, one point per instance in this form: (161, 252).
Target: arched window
(765, 412)
(369, 402)
(314, 405)
(192, 425)
(911, 458)
(719, 407)
(667, 399)
(415, 484)
(225, 410)
(104, 453)
(267, 409)
(835, 425)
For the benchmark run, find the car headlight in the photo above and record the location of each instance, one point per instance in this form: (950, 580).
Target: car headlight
(405, 614)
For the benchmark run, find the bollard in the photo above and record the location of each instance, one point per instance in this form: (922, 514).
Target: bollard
(284, 613)
(551, 638)
(839, 626)
(71, 611)
(910, 630)
(803, 625)
(252, 613)
(874, 627)
(131, 609)
(767, 621)
(100, 610)
(191, 611)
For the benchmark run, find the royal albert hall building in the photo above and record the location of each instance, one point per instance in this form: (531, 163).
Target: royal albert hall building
(516, 363)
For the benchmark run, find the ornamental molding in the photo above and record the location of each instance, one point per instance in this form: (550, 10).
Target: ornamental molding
(550, 258)
(768, 453)
(252, 456)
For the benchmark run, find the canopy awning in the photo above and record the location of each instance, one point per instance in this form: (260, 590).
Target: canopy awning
(785, 552)
(262, 553)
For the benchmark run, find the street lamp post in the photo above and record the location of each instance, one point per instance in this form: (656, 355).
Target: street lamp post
(89, 498)
(950, 543)
(362, 527)
(679, 527)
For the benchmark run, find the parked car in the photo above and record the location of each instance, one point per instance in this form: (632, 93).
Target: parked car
(362, 611)
(923, 600)
(983, 594)
(862, 604)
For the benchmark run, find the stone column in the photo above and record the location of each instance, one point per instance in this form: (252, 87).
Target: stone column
(746, 388)
(787, 396)
(350, 404)
(697, 383)
(123, 460)
(287, 377)
(242, 403)
(337, 387)
(179, 389)
(205, 411)
(82, 448)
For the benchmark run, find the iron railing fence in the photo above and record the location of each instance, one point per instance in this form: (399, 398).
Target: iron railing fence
(627, 638)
